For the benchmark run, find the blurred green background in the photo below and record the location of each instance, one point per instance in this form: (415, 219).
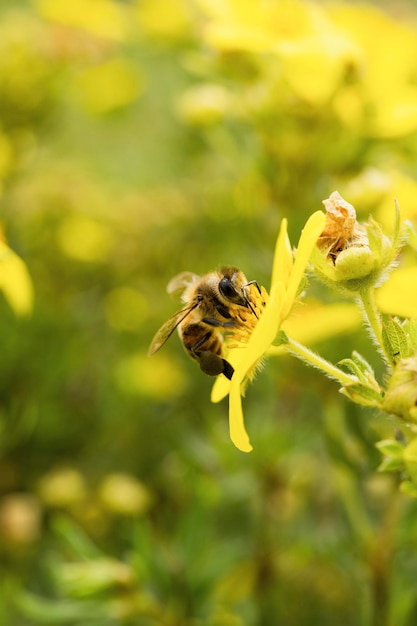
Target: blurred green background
(139, 139)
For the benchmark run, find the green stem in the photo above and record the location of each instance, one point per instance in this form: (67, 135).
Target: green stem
(380, 559)
(373, 317)
(305, 354)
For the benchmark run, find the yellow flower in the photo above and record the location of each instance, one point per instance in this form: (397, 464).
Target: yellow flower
(287, 275)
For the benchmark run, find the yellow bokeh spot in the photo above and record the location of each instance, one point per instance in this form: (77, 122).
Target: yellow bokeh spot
(15, 281)
(126, 309)
(398, 296)
(101, 18)
(348, 106)
(395, 115)
(161, 379)
(259, 26)
(315, 66)
(204, 104)
(164, 19)
(62, 487)
(109, 86)
(404, 188)
(6, 155)
(84, 239)
(124, 495)
(314, 322)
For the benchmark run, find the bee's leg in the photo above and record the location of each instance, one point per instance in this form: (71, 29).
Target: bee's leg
(223, 311)
(213, 365)
(254, 282)
(210, 363)
(212, 322)
(228, 370)
(200, 342)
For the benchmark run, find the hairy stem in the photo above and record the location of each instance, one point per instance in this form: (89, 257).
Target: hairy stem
(373, 317)
(306, 355)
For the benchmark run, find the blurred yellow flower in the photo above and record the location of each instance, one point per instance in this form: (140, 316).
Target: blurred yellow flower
(398, 295)
(317, 322)
(85, 239)
(63, 487)
(355, 58)
(386, 70)
(163, 19)
(102, 18)
(314, 54)
(123, 494)
(15, 281)
(134, 376)
(109, 86)
(204, 104)
(259, 26)
(287, 276)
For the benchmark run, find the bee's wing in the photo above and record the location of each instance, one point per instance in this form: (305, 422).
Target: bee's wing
(166, 330)
(181, 281)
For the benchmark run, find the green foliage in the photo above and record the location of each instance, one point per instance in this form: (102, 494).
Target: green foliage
(138, 140)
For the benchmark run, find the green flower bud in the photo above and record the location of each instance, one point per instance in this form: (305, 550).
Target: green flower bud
(401, 396)
(349, 255)
(352, 263)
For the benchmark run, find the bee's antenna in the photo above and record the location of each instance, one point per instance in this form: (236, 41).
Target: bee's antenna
(248, 304)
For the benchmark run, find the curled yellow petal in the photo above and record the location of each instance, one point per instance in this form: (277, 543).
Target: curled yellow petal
(283, 260)
(263, 335)
(308, 239)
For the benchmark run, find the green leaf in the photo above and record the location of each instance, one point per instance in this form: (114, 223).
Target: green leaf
(363, 363)
(396, 236)
(410, 327)
(46, 611)
(409, 488)
(391, 448)
(391, 465)
(395, 338)
(352, 367)
(375, 237)
(281, 339)
(410, 458)
(363, 394)
(358, 366)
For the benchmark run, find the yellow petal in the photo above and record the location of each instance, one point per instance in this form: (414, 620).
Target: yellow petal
(283, 261)
(308, 239)
(15, 281)
(238, 433)
(264, 333)
(220, 389)
(221, 385)
(260, 340)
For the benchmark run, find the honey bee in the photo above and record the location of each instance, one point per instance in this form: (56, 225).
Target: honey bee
(217, 303)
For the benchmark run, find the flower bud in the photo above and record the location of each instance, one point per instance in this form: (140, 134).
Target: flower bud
(350, 255)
